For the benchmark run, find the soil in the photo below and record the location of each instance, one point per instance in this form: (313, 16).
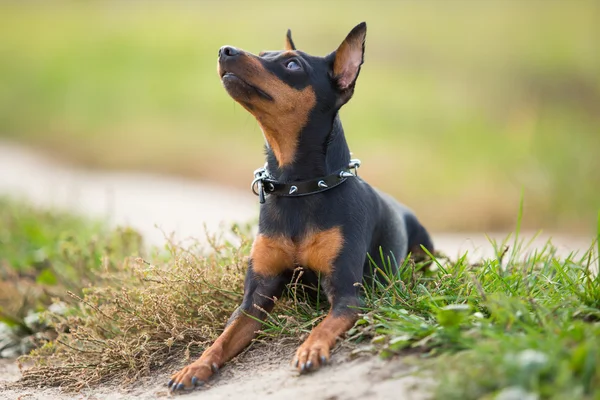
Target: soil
(263, 372)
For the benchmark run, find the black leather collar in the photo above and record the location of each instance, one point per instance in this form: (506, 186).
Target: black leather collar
(264, 183)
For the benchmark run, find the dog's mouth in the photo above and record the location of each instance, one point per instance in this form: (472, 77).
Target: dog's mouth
(237, 86)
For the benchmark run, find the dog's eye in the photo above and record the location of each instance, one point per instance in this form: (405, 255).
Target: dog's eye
(292, 65)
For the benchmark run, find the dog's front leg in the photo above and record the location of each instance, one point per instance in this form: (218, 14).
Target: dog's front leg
(343, 293)
(241, 328)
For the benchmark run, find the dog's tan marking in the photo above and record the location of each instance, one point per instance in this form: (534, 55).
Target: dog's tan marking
(316, 251)
(230, 343)
(322, 338)
(319, 250)
(282, 119)
(272, 255)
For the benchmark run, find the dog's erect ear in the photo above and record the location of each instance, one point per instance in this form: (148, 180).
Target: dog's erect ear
(348, 58)
(289, 43)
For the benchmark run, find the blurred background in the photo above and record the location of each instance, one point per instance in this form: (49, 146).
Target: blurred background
(460, 106)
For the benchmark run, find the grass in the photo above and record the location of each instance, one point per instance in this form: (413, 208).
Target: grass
(517, 324)
(529, 325)
(143, 318)
(43, 253)
(511, 326)
(476, 100)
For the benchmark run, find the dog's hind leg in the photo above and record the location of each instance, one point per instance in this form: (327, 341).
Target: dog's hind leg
(417, 237)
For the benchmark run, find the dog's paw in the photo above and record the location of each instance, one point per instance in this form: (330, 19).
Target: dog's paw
(192, 376)
(311, 355)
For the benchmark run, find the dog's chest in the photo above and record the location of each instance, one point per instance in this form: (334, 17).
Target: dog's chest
(316, 250)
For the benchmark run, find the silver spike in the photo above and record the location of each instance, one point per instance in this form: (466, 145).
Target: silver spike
(293, 190)
(346, 174)
(322, 184)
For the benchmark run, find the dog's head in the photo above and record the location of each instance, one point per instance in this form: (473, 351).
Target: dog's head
(284, 89)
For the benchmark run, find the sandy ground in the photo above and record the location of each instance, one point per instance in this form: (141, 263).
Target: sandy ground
(261, 373)
(155, 204)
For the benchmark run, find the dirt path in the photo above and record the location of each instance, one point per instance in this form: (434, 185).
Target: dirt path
(263, 373)
(149, 203)
(145, 201)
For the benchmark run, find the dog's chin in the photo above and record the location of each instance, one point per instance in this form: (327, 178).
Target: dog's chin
(238, 89)
(242, 91)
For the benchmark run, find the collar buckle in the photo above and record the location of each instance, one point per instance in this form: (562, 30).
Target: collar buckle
(257, 186)
(354, 164)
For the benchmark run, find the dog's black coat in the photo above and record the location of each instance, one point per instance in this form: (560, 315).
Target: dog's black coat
(296, 99)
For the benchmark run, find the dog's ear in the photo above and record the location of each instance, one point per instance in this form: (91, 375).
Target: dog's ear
(289, 43)
(347, 60)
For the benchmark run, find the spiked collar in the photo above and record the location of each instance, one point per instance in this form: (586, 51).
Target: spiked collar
(264, 183)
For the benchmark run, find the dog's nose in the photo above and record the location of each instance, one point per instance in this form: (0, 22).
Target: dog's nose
(228, 51)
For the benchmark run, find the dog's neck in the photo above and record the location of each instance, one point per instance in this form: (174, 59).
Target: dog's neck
(314, 157)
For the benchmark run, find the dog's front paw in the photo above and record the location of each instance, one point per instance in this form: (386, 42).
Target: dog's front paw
(311, 355)
(194, 375)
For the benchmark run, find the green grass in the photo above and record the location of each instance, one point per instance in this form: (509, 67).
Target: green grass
(514, 324)
(510, 324)
(44, 253)
(529, 324)
(461, 101)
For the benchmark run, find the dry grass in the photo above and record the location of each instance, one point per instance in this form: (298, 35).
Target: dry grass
(142, 317)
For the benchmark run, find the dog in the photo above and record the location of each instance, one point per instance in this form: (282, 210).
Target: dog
(315, 212)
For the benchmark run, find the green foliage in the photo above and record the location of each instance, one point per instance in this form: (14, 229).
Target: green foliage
(44, 253)
(529, 324)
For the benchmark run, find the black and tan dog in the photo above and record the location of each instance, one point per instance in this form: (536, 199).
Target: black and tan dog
(315, 212)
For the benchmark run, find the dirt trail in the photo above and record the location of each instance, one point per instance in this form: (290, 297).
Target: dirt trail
(263, 373)
(145, 201)
(150, 203)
